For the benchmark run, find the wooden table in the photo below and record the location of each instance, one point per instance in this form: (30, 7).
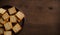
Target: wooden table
(42, 16)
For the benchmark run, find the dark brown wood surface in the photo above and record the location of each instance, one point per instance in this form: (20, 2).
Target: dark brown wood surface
(42, 16)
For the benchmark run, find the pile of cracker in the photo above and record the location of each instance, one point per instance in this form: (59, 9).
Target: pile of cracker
(9, 17)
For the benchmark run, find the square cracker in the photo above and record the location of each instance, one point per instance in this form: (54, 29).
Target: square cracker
(8, 26)
(2, 11)
(5, 16)
(16, 28)
(7, 32)
(12, 10)
(20, 15)
(13, 19)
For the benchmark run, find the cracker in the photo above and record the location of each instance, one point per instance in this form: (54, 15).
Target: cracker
(5, 16)
(17, 28)
(7, 32)
(12, 10)
(13, 19)
(20, 15)
(2, 11)
(8, 26)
